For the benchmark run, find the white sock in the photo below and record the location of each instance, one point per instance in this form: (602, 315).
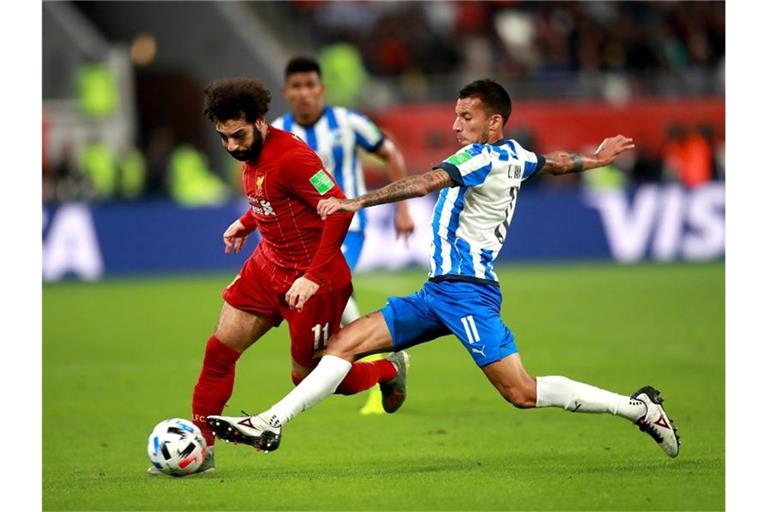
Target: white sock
(320, 383)
(351, 312)
(556, 391)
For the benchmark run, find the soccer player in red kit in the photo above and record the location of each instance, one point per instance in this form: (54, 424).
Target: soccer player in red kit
(297, 271)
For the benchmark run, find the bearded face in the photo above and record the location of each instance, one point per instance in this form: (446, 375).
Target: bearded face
(252, 151)
(241, 139)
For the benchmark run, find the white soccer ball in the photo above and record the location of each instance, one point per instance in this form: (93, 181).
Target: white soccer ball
(176, 447)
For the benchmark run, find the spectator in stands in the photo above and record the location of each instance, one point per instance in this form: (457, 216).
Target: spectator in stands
(567, 37)
(688, 156)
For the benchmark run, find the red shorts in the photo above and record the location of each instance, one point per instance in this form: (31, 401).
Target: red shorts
(310, 328)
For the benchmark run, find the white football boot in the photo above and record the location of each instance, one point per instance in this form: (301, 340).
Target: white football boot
(252, 430)
(656, 423)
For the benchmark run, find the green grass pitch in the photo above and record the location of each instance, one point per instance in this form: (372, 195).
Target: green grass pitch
(121, 355)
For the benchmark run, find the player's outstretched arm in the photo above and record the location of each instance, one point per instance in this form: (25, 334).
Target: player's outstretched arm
(406, 188)
(565, 162)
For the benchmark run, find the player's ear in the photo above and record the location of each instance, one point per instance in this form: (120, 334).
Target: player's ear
(495, 121)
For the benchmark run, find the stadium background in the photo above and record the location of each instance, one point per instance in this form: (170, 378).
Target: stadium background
(137, 190)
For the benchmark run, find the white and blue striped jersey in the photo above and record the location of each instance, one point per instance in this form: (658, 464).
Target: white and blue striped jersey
(470, 221)
(335, 137)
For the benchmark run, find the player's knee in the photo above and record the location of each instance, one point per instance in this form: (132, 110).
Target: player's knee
(343, 344)
(346, 389)
(519, 396)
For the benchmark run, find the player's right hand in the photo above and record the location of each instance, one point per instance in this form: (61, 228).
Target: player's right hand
(234, 237)
(326, 207)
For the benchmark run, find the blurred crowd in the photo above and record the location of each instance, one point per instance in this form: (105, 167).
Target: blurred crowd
(425, 43)
(522, 38)
(171, 169)
(166, 167)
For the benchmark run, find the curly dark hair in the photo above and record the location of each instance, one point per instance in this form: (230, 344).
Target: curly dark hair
(236, 98)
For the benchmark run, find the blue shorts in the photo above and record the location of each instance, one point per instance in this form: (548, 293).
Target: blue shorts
(468, 310)
(352, 247)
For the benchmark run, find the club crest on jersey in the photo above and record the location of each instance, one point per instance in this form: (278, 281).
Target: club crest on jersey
(260, 206)
(259, 186)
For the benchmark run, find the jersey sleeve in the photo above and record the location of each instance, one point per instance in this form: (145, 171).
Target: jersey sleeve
(248, 220)
(367, 134)
(468, 167)
(310, 182)
(307, 179)
(532, 162)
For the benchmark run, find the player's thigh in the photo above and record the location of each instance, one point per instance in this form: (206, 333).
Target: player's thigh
(250, 308)
(411, 320)
(312, 327)
(471, 313)
(238, 329)
(366, 335)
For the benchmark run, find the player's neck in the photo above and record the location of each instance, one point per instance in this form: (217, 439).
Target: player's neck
(310, 119)
(494, 137)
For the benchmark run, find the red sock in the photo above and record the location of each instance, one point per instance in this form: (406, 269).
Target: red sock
(214, 386)
(365, 375)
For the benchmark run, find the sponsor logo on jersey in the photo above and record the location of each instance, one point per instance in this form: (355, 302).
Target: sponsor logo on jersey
(260, 206)
(321, 181)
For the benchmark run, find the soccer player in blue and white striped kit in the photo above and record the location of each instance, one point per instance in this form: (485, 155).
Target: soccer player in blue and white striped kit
(337, 134)
(479, 186)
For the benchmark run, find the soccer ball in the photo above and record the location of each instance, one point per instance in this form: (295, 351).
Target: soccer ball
(176, 447)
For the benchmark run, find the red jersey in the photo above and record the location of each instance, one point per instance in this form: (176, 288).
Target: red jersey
(283, 187)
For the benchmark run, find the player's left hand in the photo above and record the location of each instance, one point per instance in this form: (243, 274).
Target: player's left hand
(325, 207)
(613, 147)
(404, 225)
(300, 292)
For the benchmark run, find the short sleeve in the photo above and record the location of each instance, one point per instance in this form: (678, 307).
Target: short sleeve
(367, 134)
(468, 167)
(532, 162)
(308, 180)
